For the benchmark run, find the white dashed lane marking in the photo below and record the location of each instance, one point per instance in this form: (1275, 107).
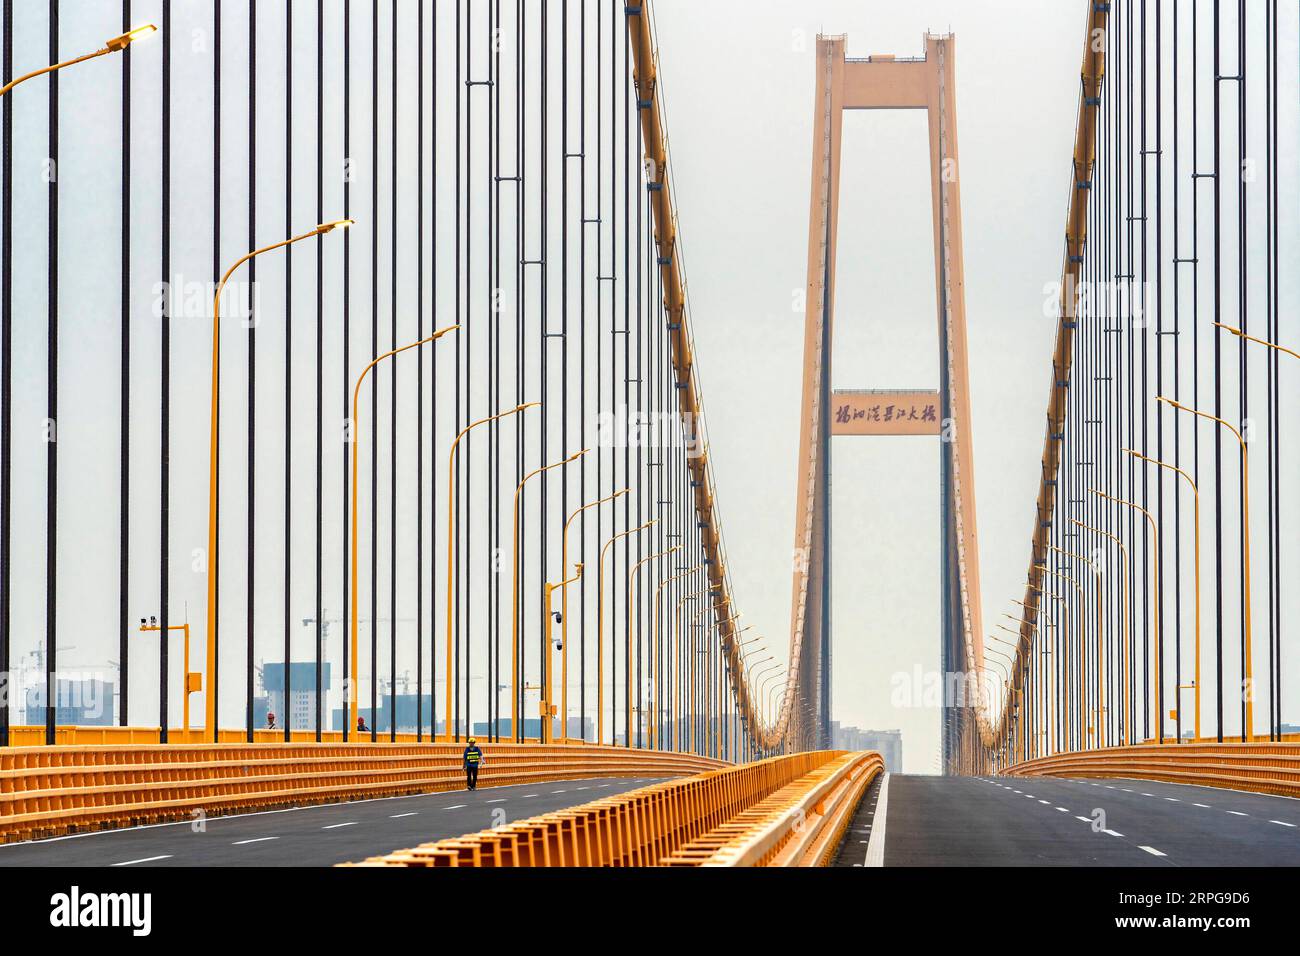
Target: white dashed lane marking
(254, 840)
(398, 816)
(335, 826)
(1152, 850)
(147, 859)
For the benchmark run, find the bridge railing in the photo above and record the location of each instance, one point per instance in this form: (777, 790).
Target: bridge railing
(784, 810)
(49, 791)
(1262, 767)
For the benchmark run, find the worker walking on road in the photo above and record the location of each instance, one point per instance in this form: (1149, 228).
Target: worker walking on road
(473, 759)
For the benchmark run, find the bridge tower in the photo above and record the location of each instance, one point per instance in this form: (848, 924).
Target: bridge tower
(884, 82)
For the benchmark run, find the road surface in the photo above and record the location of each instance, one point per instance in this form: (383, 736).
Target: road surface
(1051, 821)
(315, 835)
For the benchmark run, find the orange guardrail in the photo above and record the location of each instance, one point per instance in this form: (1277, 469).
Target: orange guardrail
(49, 791)
(1262, 767)
(800, 825)
(652, 826)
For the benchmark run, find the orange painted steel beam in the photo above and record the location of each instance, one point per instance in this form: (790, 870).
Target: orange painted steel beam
(881, 82)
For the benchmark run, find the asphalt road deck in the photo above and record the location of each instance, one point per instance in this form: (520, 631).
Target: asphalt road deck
(1052, 821)
(315, 835)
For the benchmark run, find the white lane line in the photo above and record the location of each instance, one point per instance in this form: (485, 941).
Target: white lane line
(1148, 794)
(1112, 833)
(527, 795)
(559, 791)
(254, 840)
(876, 843)
(457, 806)
(1084, 819)
(1063, 810)
(1152, 850)
(1203, 806)
(1173, 800)
(1238, 813)
(1282, 823)
(1045, 801)
(147, 859)
(602, 786)
(398, 816)
(335, 826)
(497, 800)
(584, 788)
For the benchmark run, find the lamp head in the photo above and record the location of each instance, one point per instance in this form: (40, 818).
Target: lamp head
(325, 227)
(126, 39)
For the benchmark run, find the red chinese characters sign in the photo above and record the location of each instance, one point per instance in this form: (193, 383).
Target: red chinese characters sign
(871, 412)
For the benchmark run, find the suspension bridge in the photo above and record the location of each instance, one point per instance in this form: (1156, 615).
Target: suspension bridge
(351, 409)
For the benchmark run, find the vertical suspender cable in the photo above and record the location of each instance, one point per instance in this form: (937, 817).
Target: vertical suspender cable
(319, 716)
(52, 395)
(287, 679)
(392, 467)
(164, 457)
(6, 365)
(351, 447)
(124, 446)
(252, 373)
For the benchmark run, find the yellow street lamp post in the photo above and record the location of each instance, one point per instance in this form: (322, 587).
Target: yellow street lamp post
(1196, 557)
(1082, 657)
(1062, 619)
(564, 609)
(1101, 639)
(600, 626)
(1155, 606)
(115, 45)
(1247, 673)
(516, 732)
(212, 557)
(354, 442)
(547, 709)
(451, 547)
(631, 579)
(192, 681)
(1251, 338)
(655, 711)
(677, 643)
(1127, 661)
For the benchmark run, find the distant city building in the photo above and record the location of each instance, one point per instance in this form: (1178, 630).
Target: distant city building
(302, 693)
(410, 715)
(580, 728)
(80, 703)
(888, 742)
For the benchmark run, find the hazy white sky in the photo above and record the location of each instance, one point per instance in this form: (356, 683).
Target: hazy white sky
(742, 164)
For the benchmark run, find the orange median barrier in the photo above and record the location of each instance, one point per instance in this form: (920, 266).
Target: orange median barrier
(51, 791)
(794, 807)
